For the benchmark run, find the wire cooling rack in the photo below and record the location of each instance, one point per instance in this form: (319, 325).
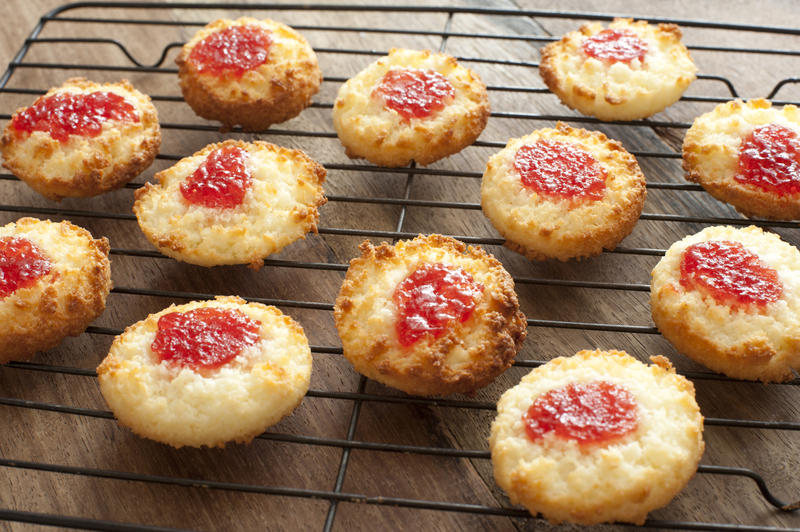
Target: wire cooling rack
(481, 38)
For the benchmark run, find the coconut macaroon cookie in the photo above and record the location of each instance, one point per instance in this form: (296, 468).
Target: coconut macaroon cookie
(563, 193)
(429, 316)
(232, 203)
(207, 372)
(730, 299)
(410, 105)
(82, 139)
(748, 155)
(249, 72)
(54, 279)
(597, 437)
(629, 70)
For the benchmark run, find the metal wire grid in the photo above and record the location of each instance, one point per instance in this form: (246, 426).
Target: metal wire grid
(359, 396)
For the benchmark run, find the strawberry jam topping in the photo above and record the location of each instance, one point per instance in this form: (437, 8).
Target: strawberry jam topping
(69, 113)
(769, 158)
(730, 273)
(221, 181)
(560, 170)
(415, 93)
(615, 45)
(431, 298)
(21, 264)
(232, 51)
(589, 413)
(204, 338)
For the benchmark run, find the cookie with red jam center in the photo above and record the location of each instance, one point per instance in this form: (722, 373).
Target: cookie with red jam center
(729, 299)
(429, 316)
(232, 203)
(410, 106)
(82, 139)
(597, 437)
(748, 155)
(562, 193)
(54, 280)
(628, 70)
(206, 373)
(248, 72)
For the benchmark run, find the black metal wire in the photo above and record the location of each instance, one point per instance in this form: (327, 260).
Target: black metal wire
(350, 443)
(358, 397)
(65, 521)
(333, 350)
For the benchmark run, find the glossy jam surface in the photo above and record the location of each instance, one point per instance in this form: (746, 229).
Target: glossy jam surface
(415, 93)
(615, 45)
(21, 264)
(67, 113)
(204, 338)
(432, 297)
(221, 181)
(769, 158)
(560, 170)
(589, 413)
(232, 51)
(730, 273)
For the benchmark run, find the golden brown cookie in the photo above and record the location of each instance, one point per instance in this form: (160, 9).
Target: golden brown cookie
(232, 202)
(207, 372)
(730, 299)
(748, 155)
(54, 279)
(629, 70)
(563, 193)
(410, 105)
(82, 139)
(248, 72)
(429, 316)
(631, 442)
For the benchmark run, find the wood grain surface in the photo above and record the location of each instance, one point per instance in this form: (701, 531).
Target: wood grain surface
(66, 423)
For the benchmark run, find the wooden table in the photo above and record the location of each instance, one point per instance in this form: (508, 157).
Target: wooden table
(307, 470)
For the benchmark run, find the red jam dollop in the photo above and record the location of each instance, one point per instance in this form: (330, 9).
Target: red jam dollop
(21, 264)
(415, 93)
(69, 113)
(221, 181)
(730, 273)
(589, 413)
(232, 51)
(560, 170)
(615, 45)
(769, 158)
(431, 298)
(205, 337)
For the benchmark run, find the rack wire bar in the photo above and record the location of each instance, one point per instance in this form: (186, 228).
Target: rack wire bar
(406, 202)
(65, 521)
(332, 350)
(359, 397)
(339, 496)
(529, 38)
(533, 13)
